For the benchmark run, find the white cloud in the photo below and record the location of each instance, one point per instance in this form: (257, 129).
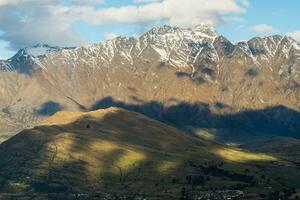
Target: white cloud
(110, 35)
(295, 35)
(177, 12)
(27, 22)
(146, 1)
(262, 28)
(22, 2)
(87, 2)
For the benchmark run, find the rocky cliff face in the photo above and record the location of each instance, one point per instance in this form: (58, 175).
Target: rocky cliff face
(163, 69)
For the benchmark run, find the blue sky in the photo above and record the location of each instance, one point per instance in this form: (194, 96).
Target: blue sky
(283, 16)
(79, 22)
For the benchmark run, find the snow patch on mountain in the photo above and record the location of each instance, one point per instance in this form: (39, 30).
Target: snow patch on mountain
(6, 66)
(39, 50)
(179, 47)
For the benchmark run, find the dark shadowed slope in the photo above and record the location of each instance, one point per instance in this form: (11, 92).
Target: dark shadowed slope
(277, 120)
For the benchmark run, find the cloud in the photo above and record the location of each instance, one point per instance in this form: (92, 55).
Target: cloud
(27, 22)
(185, 13)
(295, 35)
(87, 2)
(146, 1)
(23, 2)
(110, 35)
(262, 28)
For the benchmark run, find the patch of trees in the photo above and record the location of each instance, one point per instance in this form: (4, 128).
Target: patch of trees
(195, 180)
(239, 186)
(3, 183)
(218, 171)
(285, 193)
(184, 194)
(43, 187)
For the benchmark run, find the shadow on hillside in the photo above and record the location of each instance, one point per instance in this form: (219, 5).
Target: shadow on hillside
(122, 153)
(22, 64)
(48, 108)
(278, 120)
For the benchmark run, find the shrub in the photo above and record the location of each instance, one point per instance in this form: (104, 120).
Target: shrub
(251, 72)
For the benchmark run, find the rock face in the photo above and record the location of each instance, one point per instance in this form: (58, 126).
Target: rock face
(193, 74)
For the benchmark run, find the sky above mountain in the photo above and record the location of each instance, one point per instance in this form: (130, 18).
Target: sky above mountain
(78, 22)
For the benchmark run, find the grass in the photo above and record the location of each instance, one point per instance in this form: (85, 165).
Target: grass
(243, 156)
(115, 150)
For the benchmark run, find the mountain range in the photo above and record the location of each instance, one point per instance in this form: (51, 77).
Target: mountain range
(165, 72)
(218, 115)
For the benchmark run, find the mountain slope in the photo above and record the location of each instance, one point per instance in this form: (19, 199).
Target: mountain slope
(165, 67)
(118, 151)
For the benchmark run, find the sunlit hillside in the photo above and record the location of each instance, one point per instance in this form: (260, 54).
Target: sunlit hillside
(115, 151)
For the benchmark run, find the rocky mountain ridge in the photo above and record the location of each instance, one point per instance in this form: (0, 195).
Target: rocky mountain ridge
(167, 65)
(179, 47)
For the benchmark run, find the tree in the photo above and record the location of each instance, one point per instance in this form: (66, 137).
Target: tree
(183, 194)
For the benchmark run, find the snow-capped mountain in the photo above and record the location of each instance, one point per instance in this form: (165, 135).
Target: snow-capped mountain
(29, 56)
(166, 65)
(177, 47)
(38, 50)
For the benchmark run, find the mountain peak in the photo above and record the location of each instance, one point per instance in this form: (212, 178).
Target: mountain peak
(206, 29)
(37, 50)
(160, 30)
(40, 50)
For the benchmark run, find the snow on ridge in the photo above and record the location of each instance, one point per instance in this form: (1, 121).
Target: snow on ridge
(174, 44)
(201, 30)
(5, 66)
(162, 39)
(246, 49)
(181, 47)
(205, 30)
(296, 46)
(40, 51)
(263, 49)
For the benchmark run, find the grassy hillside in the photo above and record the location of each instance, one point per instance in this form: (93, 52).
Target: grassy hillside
(284, 147)
(115, 151)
